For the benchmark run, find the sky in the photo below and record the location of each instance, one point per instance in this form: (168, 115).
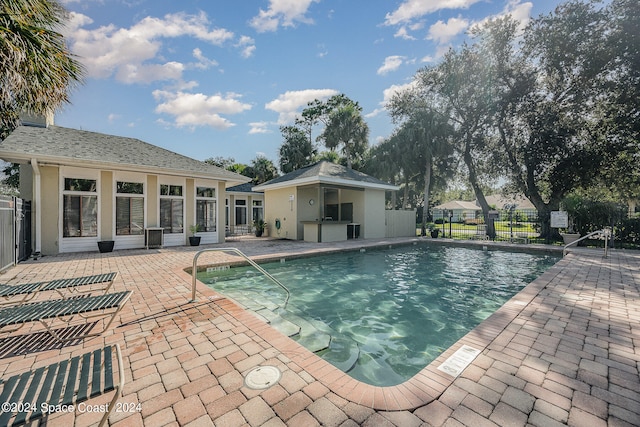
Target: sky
(218, 78)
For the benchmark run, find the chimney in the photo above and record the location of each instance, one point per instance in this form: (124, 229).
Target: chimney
(28, 118)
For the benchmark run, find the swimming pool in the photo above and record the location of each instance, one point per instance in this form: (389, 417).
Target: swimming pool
(383, 315)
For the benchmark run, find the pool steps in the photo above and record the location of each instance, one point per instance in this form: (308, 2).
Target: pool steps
(312, 334)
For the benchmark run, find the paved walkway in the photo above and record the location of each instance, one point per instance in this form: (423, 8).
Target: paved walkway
(564, 351)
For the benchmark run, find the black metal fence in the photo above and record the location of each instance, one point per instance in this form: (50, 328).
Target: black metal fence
(521, 225)
(524, 226)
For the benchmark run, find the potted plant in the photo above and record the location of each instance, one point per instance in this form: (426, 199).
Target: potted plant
(105, 246)
(193, 239)
(570, 235)
(259, 225)
(433, 230)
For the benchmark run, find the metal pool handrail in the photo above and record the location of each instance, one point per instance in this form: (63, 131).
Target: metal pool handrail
(237, 251)
(605, 232)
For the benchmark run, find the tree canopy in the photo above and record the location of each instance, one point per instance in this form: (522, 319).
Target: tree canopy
(551, 108)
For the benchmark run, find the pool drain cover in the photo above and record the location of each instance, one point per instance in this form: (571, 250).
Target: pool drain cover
(262, 377)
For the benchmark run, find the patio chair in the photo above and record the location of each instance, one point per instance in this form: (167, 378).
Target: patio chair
(20, 294)
(63, 310)
(62, 385)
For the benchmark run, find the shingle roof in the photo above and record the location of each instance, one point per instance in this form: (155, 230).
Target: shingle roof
(247, 187)
(55, 144)
(458, 204)
(326, 172)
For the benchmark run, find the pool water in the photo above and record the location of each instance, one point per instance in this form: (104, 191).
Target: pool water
(383, 315)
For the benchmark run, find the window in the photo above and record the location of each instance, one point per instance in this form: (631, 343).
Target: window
(129, 208)
(80, 208)
(171, 190)
(206, 208)
(257, 213)
(171, 208)
(241, 212)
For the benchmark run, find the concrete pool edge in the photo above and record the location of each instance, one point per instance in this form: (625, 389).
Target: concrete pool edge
(428, 384)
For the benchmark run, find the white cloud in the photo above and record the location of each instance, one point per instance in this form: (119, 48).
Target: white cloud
(410, 10)
(133, 54)
(196, 109)
(113, 117)
(520, 12)
(247, 45)
(392, 90)
(282, 12)
(203, 63)
(259, 127)
(388, 94)
(403, 34)
(391, 63)
(443, 33)
(288, 104)
(322, 51)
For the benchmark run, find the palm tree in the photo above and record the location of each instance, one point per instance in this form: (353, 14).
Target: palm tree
(347, 129)
(430, 133)
(263, 170)
(36, 68)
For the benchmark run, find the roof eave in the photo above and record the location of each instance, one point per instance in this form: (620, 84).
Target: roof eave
(92, 164)
(325, 180)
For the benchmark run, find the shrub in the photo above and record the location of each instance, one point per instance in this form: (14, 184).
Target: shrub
(474, 221)
(629, 232)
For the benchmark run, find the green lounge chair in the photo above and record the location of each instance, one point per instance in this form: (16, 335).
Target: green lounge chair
(63, 386)
(20, 294)
(47, 312)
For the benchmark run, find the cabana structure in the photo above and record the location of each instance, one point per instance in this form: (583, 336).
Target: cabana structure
(88, 187)
(325, 202)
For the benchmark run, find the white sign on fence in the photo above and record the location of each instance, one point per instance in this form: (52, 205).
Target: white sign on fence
(559, 219)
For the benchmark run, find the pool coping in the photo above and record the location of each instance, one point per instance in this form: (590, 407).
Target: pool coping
(429, 383)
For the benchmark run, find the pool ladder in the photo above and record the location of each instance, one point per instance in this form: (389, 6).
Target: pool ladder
(194, 271)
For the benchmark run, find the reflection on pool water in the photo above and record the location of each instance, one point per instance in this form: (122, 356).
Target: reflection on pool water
(383, 315)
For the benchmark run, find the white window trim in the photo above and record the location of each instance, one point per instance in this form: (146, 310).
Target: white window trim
(135, 241)
(174, 239)
(209, 236)
(77, 244)
(246, 208)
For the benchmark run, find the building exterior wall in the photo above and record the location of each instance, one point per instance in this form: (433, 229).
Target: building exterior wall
(49, 206)
(189, 209)
(309, 203)
(221, 195)
(52, 186)
(279, 206)
(107, 205)
(153, 201)
(373, 226)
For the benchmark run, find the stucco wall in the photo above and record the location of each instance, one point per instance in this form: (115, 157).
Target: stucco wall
(278, 206)
(374, 224)
(106, 200)
(50, 190)
(153, 201)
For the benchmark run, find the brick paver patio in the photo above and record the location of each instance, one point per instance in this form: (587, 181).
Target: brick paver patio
(564, 351)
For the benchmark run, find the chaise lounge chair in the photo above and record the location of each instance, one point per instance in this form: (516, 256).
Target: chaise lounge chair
(20, 294)
(32, 395)
(47, 312)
